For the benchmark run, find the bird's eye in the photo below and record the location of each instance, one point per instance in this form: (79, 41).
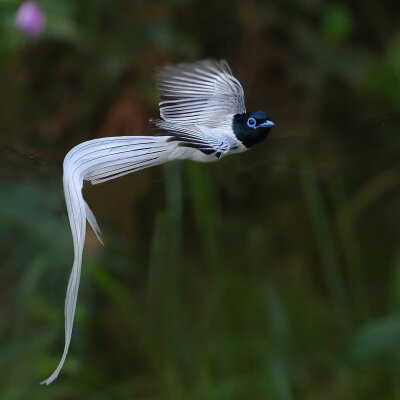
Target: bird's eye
(251, 122)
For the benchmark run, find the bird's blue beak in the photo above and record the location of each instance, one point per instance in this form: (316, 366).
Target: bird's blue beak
(267, 124)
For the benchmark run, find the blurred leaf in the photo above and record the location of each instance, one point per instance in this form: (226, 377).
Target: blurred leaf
(384, 75)
(394, 300)
(337, 23)
(380, 337)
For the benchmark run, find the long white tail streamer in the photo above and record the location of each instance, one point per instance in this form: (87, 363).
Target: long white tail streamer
(97, 161)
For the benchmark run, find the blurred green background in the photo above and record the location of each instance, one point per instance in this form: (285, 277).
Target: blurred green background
(273, 274)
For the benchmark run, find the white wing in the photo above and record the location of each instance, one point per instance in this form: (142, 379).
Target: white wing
(199, 92)
(207, 140)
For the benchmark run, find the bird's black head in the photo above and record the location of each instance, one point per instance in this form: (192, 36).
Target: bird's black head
(251, 128)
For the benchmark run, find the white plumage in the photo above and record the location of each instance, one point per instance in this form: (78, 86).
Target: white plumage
(199, 93)
(199, 102)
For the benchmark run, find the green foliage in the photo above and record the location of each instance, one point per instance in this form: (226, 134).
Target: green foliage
(274, 274)
(337, 23)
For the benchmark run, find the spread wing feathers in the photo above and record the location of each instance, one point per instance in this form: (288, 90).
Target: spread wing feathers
(199, 92)
(98, 161)
(196, 137)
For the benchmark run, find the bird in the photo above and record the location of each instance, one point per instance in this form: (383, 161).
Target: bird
(202, 118)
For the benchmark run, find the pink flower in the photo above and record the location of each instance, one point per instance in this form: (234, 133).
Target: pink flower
(30, 18)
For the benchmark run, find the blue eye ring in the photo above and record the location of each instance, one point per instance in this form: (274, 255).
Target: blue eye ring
(251, 122)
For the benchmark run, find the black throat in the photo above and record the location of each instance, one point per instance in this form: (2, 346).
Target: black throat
(248, 136)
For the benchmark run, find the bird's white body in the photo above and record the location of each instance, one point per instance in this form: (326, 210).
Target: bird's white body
(201, 100)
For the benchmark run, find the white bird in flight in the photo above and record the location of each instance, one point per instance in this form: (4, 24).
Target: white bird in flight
(202, 118)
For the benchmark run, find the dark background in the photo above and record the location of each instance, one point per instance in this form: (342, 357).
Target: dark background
(273, 274)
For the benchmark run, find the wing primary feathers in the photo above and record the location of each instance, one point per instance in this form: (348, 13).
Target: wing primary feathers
(199, 92)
